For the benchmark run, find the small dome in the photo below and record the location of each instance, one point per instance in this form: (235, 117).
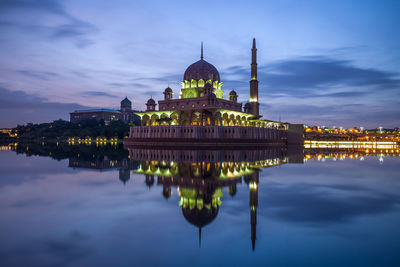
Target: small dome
(151, 101)
(168, 90)
(126, 102)
(233, 92)
(201, 70)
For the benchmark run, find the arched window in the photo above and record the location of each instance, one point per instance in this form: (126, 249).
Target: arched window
(201, 83)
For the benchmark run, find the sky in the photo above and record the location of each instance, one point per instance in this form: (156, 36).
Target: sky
(327, 63)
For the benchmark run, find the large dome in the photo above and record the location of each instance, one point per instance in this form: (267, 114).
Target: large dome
(201, 70)
(200, 218)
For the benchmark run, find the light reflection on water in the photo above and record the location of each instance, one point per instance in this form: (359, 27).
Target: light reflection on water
(87, 205)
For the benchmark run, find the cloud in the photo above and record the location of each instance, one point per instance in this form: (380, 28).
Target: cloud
(18, 107)
(51, 6)
(41, 75)
(317, 72)
(55, 250)
(137, 85)
(320, 204)
(77, 30)
(98, 93)
(322, 90)
(311, 76)
(30, 17)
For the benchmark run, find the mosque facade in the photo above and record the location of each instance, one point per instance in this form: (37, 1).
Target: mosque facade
(201, 114)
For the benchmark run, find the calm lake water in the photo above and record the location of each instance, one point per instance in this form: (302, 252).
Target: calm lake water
(107, 206)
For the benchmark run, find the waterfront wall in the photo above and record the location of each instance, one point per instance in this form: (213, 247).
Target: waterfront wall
(206, 132)
(192, 135)
(216, 135)
(295, 134)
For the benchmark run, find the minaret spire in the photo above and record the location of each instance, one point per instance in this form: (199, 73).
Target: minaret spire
(253, 81)
(201, 56)
(199, 237)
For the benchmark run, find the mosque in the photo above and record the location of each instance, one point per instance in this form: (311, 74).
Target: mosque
(201, 114)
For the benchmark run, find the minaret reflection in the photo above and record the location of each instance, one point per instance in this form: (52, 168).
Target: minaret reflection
(252, 180)
(149, 180)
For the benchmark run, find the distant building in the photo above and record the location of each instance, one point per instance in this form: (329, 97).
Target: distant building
(125, 114)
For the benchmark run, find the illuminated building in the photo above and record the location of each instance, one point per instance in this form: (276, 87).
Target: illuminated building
(200, 114)
(125, 114)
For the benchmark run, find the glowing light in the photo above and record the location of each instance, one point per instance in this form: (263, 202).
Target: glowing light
(253, 186)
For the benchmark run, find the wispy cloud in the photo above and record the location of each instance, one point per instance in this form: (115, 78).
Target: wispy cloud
(19, 107)
(66, 26)
(41, 75)
(98, 93)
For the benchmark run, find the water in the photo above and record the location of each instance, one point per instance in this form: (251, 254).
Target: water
(103, 206)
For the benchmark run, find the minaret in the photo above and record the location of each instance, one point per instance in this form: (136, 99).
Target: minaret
(254, 82)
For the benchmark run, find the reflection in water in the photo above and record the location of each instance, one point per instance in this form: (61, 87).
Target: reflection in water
(358, 153)
(198, 176)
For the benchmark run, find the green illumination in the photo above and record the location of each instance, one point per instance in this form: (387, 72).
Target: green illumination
(151, 113)
(191, 198)
(235, 173)
(253, 186)
(235, 113)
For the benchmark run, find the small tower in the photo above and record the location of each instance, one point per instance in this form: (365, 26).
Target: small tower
(247, 108)
(233, 96)
(124, 175)
(149, 180)
(126, 110)
(151, 105)
(126, 105)
(168, 93)
(254, 82)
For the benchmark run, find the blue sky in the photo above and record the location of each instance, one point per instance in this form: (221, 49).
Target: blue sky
(327, 63)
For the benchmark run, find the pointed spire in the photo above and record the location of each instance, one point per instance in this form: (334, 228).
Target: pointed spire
(199, 237)
(254, 42)
(201, 56)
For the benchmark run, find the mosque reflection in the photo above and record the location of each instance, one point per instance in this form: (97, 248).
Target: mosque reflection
(198, 176)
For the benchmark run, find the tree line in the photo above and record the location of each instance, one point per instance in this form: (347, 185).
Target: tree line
(61, 129)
